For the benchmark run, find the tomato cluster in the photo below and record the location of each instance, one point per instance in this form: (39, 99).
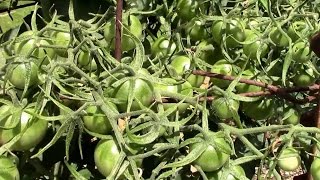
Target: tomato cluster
(196, 80)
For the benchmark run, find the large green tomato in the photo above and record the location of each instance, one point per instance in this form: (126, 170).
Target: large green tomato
(222, 67)
(17, 74)
(96, 121)
(62, 39)
(142, 91)
(86, 61)
(196, 30)
(42, 54)
(278, 39)
(314, 169)
(289, 159)
(187, 9)
(30, 138)
(8, 169)
(181, 64)
(258, 47)
(223, 107)
(244, 88)
(304, 77)
(301, 52)
(235, 174)
(106, 155)
(131, 23)
(162, 47)
(258, 110)
(293, 118)
(212, 158)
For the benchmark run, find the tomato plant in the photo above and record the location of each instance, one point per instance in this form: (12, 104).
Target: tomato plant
(301, 52)
(236, 173)
(61, 39)
(289, 159)
(256, 48)
(187, 9)
(314, 169)
(278, 38)
(9, 170)
(291, 116)
(244, 88)
(222, 67)
(18, 73)
(196, 30)
(86, 61)
(225, 107)
(296, 30)
(162, 46)
(258, 110)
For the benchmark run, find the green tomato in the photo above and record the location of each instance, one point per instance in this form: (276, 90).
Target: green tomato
(196, 30)
(244, 88)
(42, 54)
(222, 67)
(304, 77)
(289, 159)
(17, 74)
(292, 118)
(139, 4)
(258, 110)
(301, 52)
(278, 39)
(314, 169)
(212, 158)
(96, 121)
(8, 169)
(209, 55)
(162, 47)
(187, 9)
(30, 138)
(234, 174)
(132, 25)
(62, 39)
(86, 61)
(224, 107)
(296, 30)
(258, 47)
(142, 91)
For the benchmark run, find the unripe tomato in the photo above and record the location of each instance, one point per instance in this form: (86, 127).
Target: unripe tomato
(223, 107)
(210, 56)
(304, 77)
(289, 159)
(253, 49)
(222, 67)
(86, 61)
(42, 54)
(106, 155)
(132, 23)
(244, 88)
(181, 64)
(96, 121)
(162, 47)
(278, 38)
(140, 5)
(314, 169)
(258, 110)
(62, 39)
(196, 30)
(187, 9)
(212, 158)
(293, 119)
(31, 137)
(296, 30)
(301, 52)
(17, 74)
(217, 175)
(8, 169)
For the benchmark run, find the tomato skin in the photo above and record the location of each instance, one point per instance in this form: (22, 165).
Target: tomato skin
(258, 110)
(8, 168)
(181, 64)
(134, 26)
(314, 169)
(294, 118)
(222, 107)
(143, 91)
(210, 56)
(162, 47)
(62, 39)
(212, 158)
(222, 67)
(96, 121)
(251, 50)
(289, 159)
(304, 77)
(216, 175)
(301, 52)
(31, 137)
(17, 74)
(86, 61)
(187, 9)
(244, 88)
(106, 155)
(278, 39)
(196, 30)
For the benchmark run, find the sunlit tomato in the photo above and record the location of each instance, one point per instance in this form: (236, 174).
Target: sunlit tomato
(292, 116)
(234, 32)
(187, 9)
(301, 52)
(62, 39)
(234, 174)
(278, 39)
(30, 138)
(42, 54)
(181, 64)
(223, 107)
(17, 74)
(297, 30)
(8, 169)
(314, 169)
(289, 159)
(222, 67)
(132, 23)
(212, 158)
(162, 47)
(196, 30)
(304, 77)
(257, 47)
(258, 110)
(244, 88)
(86, 61)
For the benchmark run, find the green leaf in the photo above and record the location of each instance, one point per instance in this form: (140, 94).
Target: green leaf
(77, 175)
